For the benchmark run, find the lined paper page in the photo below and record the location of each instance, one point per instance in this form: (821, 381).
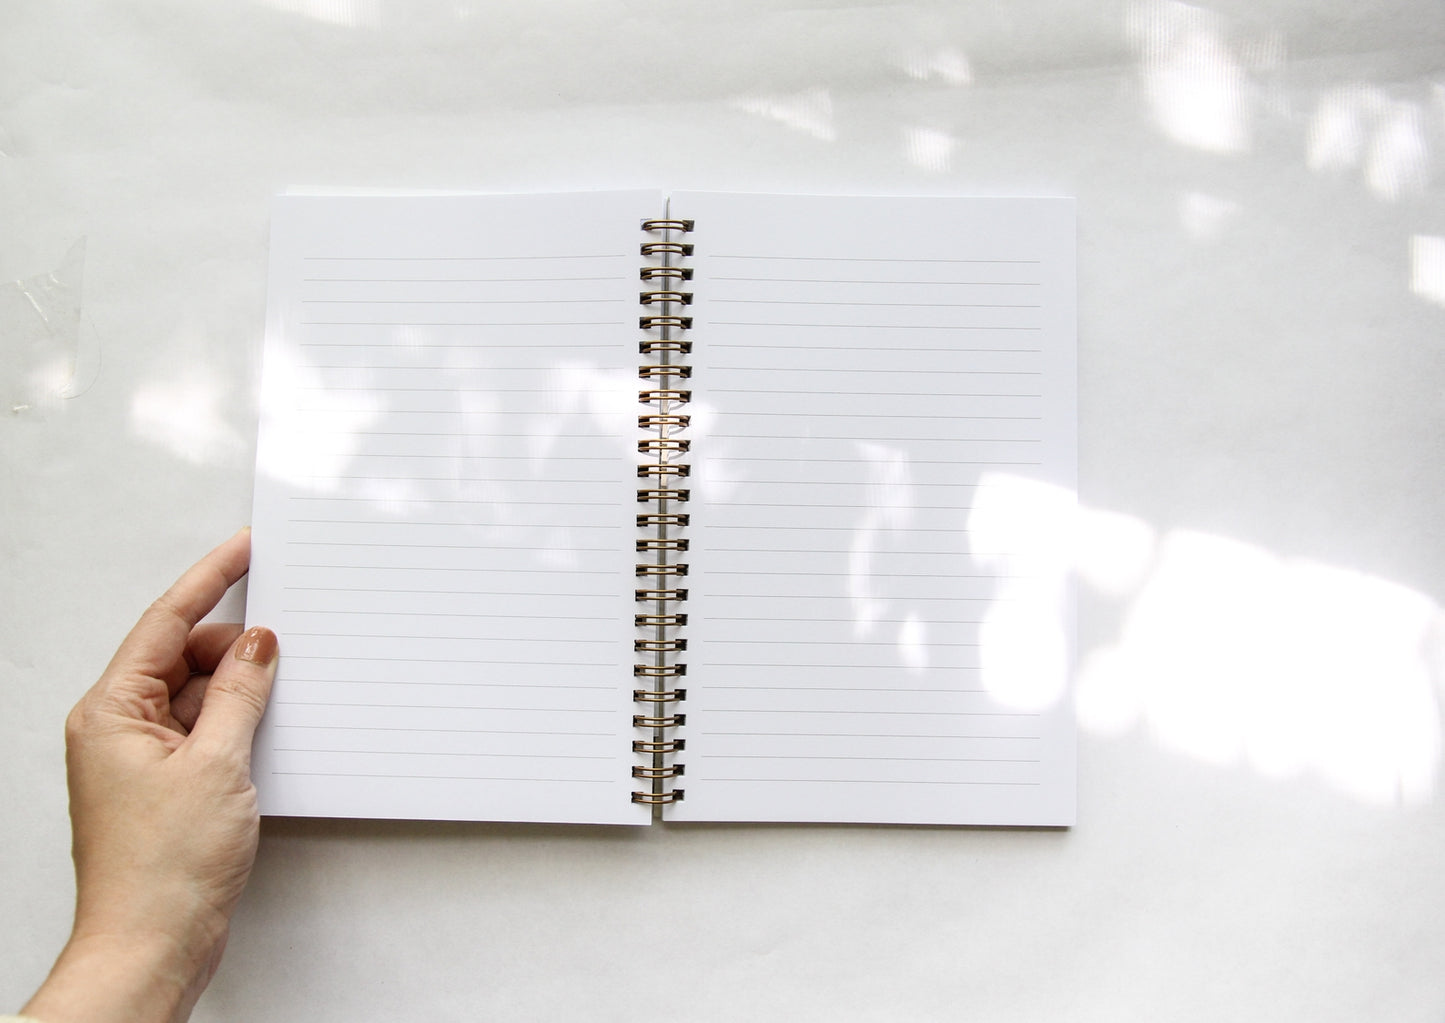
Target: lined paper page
(442, 526)
(884, 461)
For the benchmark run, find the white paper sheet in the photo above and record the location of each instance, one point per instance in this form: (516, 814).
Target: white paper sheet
(884, 402)
(443, 510)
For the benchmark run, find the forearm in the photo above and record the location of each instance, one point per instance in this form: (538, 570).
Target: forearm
(145, 978)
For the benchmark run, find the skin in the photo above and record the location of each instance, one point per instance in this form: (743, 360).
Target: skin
(163, 812)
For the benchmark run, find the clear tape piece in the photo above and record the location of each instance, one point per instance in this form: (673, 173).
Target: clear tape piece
(48, 351)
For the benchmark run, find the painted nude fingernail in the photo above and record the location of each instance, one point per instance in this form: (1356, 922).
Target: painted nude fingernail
(258, 645)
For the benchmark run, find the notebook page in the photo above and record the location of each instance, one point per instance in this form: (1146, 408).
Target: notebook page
(443, 507)
(883, 452)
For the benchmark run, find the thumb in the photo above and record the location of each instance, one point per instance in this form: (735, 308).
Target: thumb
(237, 693)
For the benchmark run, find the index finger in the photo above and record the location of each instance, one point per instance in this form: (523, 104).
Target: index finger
(159, 638)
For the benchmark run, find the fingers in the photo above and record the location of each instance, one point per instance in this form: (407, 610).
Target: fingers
(236, 695)
(186, 701)
(159, 638)
(205, 647)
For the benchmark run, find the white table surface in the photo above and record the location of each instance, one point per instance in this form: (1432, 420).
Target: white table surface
(1261, 562)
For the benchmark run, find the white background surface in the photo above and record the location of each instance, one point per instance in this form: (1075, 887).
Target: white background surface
(1262, 323)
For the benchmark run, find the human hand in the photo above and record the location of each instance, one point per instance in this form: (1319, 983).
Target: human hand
(163, 812)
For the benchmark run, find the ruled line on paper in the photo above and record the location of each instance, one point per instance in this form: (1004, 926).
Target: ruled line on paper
(352, 566)
(948, 349)
(449, 614)
(861, 483)
(427, 500)
(462, 301)
(438, 592)
(898, 713)
(609, 460)
(441, 546)
(450, 660)
(547, 413)
(900, 760)
(874, 280)
(771, 687)
(432, 682)
(848, 664)
(450, 389)
(443, 731)
(931, 417)
(890, 485)
(885, 394)
(444, 753)
(458, 639)
(842, 644)
(860, 780)
(457, 323)
(419, 347)
(849, 529)
(848, 621)
(445, 778)
(852, 575)
(871, 735)
(895, 552)
(441, 706)
(877, 483)
(844, 596)
(810, 459)
(931, 373)
(869, 259)
(430, 568)
(891, 305)
(868, 326)
(631, 257)
(415, 523)
(451, 280)
(320, 478)
(450, 434)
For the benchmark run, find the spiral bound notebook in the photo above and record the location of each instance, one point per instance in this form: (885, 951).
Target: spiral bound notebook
(606, 506)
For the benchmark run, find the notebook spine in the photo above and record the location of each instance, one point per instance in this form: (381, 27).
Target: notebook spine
(662, 472)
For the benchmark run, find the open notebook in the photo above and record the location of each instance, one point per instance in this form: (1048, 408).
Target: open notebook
(752, 507)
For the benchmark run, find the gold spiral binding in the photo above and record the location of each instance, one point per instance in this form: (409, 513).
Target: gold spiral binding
(653, 721)
(662, 321)
(659, 746)
(665, 297)
(648, 621)
(673, 444)
(674, 670)
(656, 798)
(664, 469)
(673, 520)
(660, 596)
(666, 249)
(658, 645)
(664, 543)
(673, 771)
(656, 344)
(658, 422)
(659, 696)
(655, 568)
(664, 349)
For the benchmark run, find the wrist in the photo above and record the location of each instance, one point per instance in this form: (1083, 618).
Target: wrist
(141, 977)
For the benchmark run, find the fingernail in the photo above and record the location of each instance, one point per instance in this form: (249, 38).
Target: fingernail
(257, 645)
